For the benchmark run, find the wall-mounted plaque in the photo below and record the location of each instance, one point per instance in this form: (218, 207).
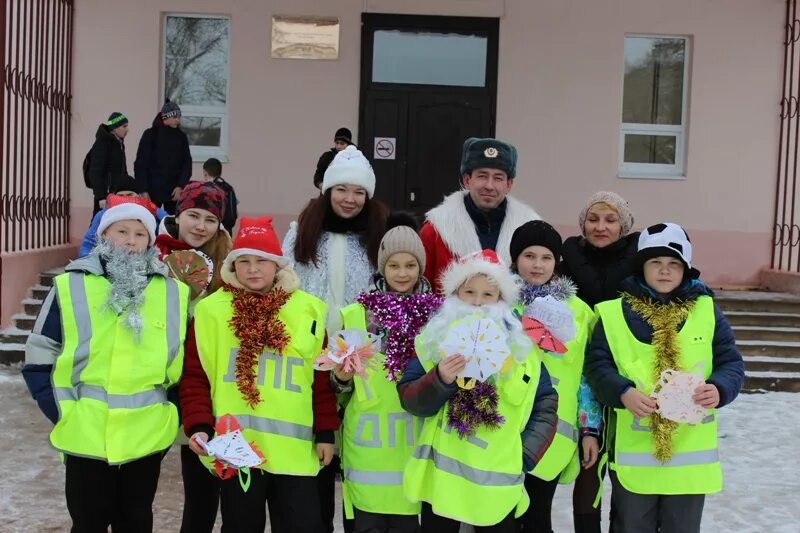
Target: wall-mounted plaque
(305, 37)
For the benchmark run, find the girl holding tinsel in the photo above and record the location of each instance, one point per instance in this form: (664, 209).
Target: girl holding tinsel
(377, 435)
(193, 244)
(559, 323)
(250, 354)
(666, 325)
(479, 437)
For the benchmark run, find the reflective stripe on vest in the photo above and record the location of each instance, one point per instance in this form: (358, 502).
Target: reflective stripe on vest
(694, 466)
(281, 424)
(124, 393)
(462, 470)
(568, 430)
(378, 437)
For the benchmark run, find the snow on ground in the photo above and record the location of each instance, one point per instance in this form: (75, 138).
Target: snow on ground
(762, 480)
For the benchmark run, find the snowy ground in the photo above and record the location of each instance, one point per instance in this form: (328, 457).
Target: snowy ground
(762, 480)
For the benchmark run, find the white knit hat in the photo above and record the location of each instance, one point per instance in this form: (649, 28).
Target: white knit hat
(485, 262)
(128, 208)
(665, 239)
(350, 167)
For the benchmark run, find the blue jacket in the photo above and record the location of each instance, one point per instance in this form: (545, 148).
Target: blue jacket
(90, 239)
(608, 385)
(424, 394)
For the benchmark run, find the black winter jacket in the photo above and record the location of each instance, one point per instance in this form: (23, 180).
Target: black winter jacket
(598, 272)
(608, 385)
(163, 161)
(322, 165)
(106, 161)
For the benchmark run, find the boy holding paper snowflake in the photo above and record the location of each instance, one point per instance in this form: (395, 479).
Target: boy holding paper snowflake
(378, 436)
(559, 323)
(666, 321)
(250, 354)
(489, 407)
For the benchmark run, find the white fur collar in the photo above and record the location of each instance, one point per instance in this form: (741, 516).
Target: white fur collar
(455, 227)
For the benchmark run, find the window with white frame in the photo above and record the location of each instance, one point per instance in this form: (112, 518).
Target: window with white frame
(654, 107)
(196, 78)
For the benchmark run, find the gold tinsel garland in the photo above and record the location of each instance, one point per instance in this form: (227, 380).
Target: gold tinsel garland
(665, 320)
(255, 324)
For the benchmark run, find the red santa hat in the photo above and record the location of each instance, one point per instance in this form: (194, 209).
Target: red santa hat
(256, 237)
(128, 208)
(487, 263)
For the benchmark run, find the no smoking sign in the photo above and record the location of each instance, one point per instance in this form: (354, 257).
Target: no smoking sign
(384, 147)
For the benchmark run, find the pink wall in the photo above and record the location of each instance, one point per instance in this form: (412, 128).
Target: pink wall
(559, 101)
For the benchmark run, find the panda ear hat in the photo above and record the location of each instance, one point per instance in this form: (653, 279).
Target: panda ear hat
(666, 239)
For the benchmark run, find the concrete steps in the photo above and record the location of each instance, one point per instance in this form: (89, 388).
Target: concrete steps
(767, 330)
(13, 339)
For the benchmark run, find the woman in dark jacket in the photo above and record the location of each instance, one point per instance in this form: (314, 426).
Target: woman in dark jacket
(597, 261)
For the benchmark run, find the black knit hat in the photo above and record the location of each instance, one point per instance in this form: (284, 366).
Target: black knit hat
(488, 153)
(535, 233)
(115, 120)
(170, 109)
(343, 134)
(123, 182)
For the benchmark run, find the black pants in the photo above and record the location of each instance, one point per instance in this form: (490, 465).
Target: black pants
(384, 523)
(432, 523)
(200, 494)
(292, 501)
(326, 486)
(169, 207)
(654, 513)
(99, 494)
(537, 518)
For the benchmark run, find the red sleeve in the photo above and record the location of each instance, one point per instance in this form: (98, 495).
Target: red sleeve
(429, 237)
(324, 403)
(194, 388)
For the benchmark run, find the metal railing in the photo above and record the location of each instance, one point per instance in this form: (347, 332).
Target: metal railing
(35, 117)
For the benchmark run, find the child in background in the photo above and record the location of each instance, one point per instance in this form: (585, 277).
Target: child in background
(661, 470)
(563, 323)
(377, 435)
(250, 353)
(212, 172)
(106, 347)
(476, 442)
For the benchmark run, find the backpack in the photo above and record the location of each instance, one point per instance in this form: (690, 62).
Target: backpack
(231, 203)
(87, 161)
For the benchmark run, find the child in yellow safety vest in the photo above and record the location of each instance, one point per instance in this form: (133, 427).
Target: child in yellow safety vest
(250, 354)
(378, 436)
(560, 324)
(479, 436)
(105, 349)
(664, 335)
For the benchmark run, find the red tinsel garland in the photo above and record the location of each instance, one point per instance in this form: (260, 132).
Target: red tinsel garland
(255, 323)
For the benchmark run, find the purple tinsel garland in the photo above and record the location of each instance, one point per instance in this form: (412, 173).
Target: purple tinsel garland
(403, 316)
(472, 408)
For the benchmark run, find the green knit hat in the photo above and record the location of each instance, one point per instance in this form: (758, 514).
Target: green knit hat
(488, 153)
(115, 120)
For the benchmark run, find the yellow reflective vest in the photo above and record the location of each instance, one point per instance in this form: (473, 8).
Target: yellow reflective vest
(378, 437)
(561, 458)
(694, 467)
(281, 425)
(111, 389)
(477, 480)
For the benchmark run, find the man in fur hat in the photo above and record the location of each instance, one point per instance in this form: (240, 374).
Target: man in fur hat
(480, 216)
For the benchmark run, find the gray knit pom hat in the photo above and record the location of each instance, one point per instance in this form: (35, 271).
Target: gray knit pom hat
(615, 201)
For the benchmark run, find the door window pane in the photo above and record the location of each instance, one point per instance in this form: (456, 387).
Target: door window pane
(196, 61)
(202, 131)
(657, 149)
(429, 58)
(653, 86)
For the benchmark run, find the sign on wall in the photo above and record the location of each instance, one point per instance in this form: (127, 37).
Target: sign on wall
(305, 37)
(384, 147)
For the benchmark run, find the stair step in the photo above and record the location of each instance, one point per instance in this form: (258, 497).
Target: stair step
(772, 381)
(12, 353)
(23, 321)
(46, 278)
(13, 335)
(769, 348)
(748, 318)
(758, 301)
(758, 363)
(766, 333)
(39, 292)
(32, 306)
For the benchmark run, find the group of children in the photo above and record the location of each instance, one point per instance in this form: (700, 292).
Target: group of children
(422, 447)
